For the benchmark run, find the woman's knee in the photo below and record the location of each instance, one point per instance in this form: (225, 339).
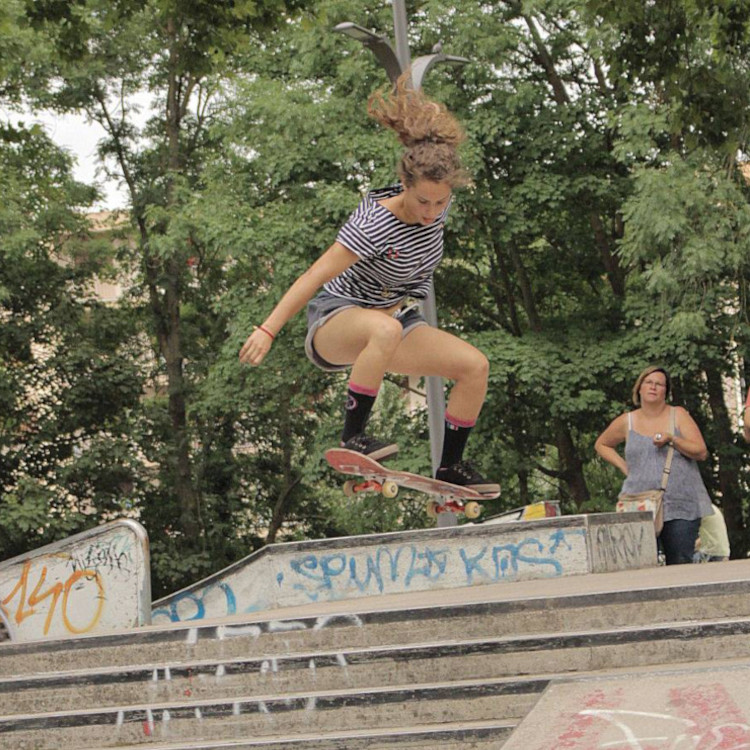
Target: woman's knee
(476, 366)
(385, 333)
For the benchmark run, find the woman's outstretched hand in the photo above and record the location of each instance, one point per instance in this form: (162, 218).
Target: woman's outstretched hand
(256, 347)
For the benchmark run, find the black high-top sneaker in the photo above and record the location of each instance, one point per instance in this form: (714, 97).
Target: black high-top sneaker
(465, 475)
(375, 449)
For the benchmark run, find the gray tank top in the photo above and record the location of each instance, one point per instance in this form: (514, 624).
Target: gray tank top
(686, 496)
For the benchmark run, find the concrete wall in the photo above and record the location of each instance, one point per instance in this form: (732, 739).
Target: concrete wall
(284, 575)
(620, 541)
(92, 582)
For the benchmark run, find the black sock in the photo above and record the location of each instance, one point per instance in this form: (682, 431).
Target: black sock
(457, 432)
(359, 401)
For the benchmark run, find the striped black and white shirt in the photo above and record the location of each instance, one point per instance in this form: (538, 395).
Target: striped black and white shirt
(396, 260)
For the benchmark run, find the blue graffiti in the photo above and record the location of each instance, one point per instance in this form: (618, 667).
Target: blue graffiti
(472, 564)
(494, 563)
(175, 609)
(334, 575)
(332, 571)
(338, 575)
(560, 536)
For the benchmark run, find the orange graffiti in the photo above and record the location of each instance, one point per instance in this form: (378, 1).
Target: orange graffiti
(27, 604)
(89, 574)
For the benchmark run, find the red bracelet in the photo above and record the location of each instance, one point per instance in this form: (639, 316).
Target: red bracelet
(265, 330)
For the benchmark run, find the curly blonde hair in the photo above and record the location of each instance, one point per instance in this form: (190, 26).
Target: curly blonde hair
(428, 131)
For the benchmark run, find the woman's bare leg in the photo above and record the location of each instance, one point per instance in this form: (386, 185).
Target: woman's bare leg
(373, 341)
(365, 337)
(430, 351)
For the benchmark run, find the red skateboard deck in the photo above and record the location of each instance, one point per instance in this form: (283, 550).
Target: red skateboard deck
(379, 478)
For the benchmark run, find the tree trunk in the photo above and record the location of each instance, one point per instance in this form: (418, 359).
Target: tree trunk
(611, 263)
(527, 294)
(500, 267)
(604, 243)
(166, 310)
(523, 486)
(571, 464)
(290, 481)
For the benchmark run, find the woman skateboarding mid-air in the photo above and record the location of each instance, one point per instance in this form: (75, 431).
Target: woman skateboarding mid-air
(385, 254)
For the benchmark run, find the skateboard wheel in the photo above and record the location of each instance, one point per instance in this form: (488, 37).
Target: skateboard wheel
(433, 509)
(349, 486)
(472, 509)
(390, 489)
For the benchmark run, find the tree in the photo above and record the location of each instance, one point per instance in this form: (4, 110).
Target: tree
(687, 220)
(256, 149)
(101, 55)
(65, 385)
(537, 239)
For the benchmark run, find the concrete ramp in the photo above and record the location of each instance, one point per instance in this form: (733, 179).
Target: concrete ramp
(349, 568)
(92, 582)
(699, 709)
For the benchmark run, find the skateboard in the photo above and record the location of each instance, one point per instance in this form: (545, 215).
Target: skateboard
(378, 478)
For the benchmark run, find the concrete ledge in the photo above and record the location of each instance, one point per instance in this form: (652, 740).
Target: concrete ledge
(287, 575)
(91, 582)
(620, 541)
(664, 595)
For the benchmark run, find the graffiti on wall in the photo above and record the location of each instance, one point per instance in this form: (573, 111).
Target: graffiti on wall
(24, 601)
(74, 589)
(621, 546)
(345, 574)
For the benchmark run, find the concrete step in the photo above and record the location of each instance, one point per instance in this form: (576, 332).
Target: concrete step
(458, 735)
(405, 624)
(273, 715)
(390, 666)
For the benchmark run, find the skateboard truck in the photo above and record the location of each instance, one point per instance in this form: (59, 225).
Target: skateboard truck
(470, 509)
(434, 508)
(386, 488)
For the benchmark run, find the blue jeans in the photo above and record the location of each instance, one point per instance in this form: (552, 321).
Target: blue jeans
(678, 539)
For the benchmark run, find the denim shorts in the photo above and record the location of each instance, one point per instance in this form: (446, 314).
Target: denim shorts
(324, 306)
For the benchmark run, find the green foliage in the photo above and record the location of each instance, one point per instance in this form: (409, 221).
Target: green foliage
(67, 387)
(606, 229)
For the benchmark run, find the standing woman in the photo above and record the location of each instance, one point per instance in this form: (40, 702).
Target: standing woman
(383, 256)
(647, 433)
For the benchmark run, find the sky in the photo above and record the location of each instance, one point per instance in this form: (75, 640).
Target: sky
(79, 138)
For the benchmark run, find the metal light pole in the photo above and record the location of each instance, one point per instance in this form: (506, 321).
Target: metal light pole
(395, 63)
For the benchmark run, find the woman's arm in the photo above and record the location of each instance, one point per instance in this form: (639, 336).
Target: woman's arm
(690, 443)
(606, 443)
(333, 262)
